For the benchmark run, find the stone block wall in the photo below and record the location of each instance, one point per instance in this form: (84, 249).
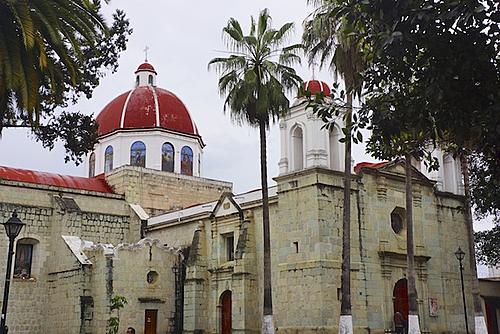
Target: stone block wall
(158, 192)
(125, 274)
(52, 294)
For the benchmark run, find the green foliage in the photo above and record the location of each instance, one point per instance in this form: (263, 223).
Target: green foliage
(117, 303)
(51, 53)
(433, 79)
(487, 246)
(255, 78)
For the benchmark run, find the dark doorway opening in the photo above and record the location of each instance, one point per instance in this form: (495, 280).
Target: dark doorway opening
(226, 314)
(150, 320)
(400, 298)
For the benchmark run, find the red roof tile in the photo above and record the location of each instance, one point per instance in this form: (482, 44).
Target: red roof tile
(372, 165)
(97, 183)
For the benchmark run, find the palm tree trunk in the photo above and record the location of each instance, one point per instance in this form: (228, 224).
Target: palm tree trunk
(345, 324)
(413, 322)
(268, 323)
(479, 321)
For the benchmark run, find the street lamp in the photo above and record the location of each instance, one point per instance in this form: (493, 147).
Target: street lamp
(13, 227)
(460, 257)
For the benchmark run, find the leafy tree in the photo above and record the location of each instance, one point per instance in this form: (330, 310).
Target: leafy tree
(51, 53)
(117, 303)
(487, 243)
(254, 79)
(442, 59)
(327, 37)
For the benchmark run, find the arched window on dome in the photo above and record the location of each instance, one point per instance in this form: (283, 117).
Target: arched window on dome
(150, 80)
(92, 165)
(186, 161)
(138, 154)
(136, 80)
(108, 159)
(167, 157)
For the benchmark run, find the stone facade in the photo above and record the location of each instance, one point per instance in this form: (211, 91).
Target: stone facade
(306, 222)
(158, 191)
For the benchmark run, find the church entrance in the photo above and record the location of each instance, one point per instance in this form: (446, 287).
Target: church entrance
(400, 298)
(150, 321)
(226, 317)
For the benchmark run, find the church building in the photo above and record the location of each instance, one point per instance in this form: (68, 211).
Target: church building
(186, 252)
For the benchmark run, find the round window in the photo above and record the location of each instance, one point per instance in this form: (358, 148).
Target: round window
(396, 222)
(152, 277)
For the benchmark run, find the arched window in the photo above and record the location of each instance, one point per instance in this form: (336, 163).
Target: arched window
(25, 252)
(136, 80)
(167, 157)
(187, 161)
(150, 79)
(92, 165)
(335, 158)
(138, 154)
(108, 159)
(298, 148)
(449, 173)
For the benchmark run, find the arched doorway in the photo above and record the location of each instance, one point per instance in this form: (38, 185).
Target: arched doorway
(400, 298)
(226, 317)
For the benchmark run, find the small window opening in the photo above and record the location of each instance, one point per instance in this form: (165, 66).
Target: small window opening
(137, 81)
(229, 241)
(397, 220)
(24, 257)
(150, 80)
(296, 244)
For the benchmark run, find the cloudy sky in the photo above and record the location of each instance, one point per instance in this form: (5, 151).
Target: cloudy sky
(181, 40)
(182, 37)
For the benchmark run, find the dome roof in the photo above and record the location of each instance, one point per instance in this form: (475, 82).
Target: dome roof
(146, 67)
(146, 107)
(316, 87)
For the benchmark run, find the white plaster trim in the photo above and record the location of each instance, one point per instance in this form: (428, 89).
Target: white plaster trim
(157, 106)
(76, 245)
(122, 120)
(268, 324)
(345, 324)
(139, 211)
(480, 325)
(323, 90)
(413, 324)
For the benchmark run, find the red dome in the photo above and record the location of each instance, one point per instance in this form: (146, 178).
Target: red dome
(146, 107)
(146, 67)
(316, 87)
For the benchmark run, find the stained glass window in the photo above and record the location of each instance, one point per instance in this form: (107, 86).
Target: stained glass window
(138, 154)
(108, 159)
(92, 165)
(187, 161)
(167, 157)
(22, 266)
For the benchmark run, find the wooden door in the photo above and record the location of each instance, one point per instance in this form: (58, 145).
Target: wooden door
(150, 321)
(226, 306)
(400, 297)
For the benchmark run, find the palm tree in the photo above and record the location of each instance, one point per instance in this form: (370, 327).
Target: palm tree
(326, 36)
(254, 79)
(41, 53)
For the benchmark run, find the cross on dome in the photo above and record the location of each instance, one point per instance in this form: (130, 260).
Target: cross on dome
(146, 49)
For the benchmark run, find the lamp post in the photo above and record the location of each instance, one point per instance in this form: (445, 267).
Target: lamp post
(13, 227)
(460, 254)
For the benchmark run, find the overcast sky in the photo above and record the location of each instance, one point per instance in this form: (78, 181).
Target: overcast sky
(182, 38)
